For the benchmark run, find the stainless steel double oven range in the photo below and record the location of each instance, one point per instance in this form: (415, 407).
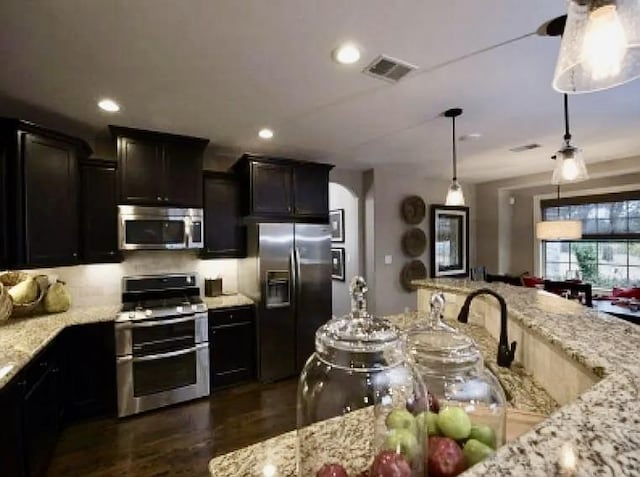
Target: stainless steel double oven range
(162, 342)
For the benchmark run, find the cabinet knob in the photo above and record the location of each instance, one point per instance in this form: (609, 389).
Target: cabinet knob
(159, 199)
(166, 199)
(75, 254)
(112, 252)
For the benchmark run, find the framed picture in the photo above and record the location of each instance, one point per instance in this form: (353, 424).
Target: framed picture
(336, 220)
(449, 241)
(337, 264)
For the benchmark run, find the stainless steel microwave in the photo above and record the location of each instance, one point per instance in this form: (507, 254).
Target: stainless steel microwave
(159, 228)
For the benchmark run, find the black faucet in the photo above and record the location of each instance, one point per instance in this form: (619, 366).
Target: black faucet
(505, 355)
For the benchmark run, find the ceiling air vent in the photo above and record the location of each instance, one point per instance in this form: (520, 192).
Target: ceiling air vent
(525, 147)
(389, 69)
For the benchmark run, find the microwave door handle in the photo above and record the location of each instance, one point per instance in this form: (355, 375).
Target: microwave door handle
(187, 232)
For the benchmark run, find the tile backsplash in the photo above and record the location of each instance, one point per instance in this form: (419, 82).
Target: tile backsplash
(100, 284)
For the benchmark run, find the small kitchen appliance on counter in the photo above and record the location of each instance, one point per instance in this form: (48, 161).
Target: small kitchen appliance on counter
(162, 342)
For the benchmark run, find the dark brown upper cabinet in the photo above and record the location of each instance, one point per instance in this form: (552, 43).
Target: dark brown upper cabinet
(157, 168)
(311, 190)
(283, 189)
(41, 167)
(99, 211)
(224, 232)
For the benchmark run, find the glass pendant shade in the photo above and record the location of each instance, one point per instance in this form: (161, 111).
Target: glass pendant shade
(600, 46)
(455, 196)
(559, 230)
(570, 166)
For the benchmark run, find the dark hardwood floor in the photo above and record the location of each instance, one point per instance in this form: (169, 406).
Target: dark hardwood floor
(179, 440)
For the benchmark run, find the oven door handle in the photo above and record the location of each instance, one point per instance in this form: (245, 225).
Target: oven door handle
(154, 357)
(148, 324)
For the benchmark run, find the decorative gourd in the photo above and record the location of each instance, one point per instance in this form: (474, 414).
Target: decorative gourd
(57, 299)
(24, 292)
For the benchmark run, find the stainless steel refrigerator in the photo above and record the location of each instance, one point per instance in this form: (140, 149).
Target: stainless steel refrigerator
(288, 274)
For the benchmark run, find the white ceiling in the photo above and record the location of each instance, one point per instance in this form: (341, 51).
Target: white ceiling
(223, 69)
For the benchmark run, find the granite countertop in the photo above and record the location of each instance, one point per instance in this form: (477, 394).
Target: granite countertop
(21, 339)
(521, 389)
(596, 434)
(599, 432)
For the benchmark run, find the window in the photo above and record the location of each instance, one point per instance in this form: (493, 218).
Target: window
(609, 252)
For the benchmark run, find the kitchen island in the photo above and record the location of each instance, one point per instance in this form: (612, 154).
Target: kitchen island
(586, 360)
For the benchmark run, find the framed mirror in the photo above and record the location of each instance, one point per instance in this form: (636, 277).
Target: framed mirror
(449, 241)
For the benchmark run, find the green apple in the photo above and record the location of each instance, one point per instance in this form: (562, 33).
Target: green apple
(428, 422)
(402, 441)
(484, 434)
(475, 451)
(454, 423)
(401, 419)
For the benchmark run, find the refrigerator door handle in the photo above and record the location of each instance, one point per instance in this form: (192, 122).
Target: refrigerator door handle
(294, 277)
(297, 282)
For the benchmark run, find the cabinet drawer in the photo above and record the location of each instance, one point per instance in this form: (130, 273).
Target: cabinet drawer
(229, 316)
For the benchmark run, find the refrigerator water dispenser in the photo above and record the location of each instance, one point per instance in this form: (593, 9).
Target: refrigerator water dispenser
(278, 289)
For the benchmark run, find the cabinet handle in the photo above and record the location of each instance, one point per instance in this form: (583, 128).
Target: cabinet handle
(44, 364)
(159, 199)
(75, 254)
(166, 199)
(112, 252)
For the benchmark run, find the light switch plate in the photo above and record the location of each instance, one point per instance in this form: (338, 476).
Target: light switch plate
(388, 259)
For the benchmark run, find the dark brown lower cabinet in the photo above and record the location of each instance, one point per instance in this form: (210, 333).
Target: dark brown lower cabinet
(231, 346)
(74, 376)
(89, 370)
(41, 421)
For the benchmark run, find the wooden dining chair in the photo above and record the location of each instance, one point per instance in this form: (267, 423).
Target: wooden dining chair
(574, 288)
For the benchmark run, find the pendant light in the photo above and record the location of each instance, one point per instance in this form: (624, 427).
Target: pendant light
(570, 166)
(600, 46)
(455, 196)
(559, 229)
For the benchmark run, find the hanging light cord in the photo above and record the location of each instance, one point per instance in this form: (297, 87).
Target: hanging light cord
(455, 168)
(567, 134)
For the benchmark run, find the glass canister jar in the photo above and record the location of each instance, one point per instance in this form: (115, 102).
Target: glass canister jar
(352, 416)
(465, 414)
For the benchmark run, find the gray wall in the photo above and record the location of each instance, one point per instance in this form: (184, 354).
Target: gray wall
(341, 197)
(391, 186)
(505, 232)
(345, 192)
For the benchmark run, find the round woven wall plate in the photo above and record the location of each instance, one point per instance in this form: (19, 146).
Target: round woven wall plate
(413, 209)
(414, 270)
(414, 242)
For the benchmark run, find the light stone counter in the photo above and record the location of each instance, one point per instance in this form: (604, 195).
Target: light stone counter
(595, 433)
(227, 301)
(22, 339)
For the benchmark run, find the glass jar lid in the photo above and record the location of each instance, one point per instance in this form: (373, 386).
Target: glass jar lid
(435, 346)
(359, 340)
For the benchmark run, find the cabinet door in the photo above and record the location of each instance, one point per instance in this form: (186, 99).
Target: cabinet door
(11, 462)
(232, 353)
(183, 175)
(41, 422)
(141, 172)
(89, 382)
(311, 190)
(224, 234)
(271, 189)
(99, 212)
(51, 210)
(4, 241)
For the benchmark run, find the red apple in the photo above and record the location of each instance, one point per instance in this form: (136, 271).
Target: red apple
(444, 457)
(332, 470)
(390, 464)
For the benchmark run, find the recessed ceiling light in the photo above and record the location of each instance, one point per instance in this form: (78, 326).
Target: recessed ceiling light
(109, 105)
(346, 54)
(470, 136)
(265, 133)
